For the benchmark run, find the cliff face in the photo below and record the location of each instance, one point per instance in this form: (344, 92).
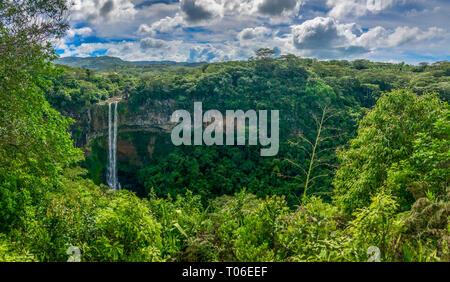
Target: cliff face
(143, 134)
(152, 116)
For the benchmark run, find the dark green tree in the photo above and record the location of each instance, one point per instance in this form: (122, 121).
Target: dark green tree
(264, 53)
(34, 141)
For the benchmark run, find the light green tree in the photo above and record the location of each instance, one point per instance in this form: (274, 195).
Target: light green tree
(403, 135)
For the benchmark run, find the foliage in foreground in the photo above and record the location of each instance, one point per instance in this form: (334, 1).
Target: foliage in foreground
(122, 227)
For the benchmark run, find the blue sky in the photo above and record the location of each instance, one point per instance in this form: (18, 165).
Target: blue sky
(220, 30)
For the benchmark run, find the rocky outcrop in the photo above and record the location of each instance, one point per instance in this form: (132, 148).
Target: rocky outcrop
(153, 116)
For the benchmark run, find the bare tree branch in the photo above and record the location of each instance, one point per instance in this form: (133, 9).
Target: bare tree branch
(326, 114)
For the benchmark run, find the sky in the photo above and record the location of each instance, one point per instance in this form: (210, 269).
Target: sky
(410, 31)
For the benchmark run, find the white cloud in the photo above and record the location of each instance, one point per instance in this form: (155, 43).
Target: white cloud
(372, 38)
(195, 11)
(102, 10)
(155, 50)
(405, 34)
(326, 38)
(343, 8)
(234, 29)
(150, 43)
(379, 37)
(277, 7)
(252, 33)
(320, 37)
(120, 19)
(166, 24)
(251, 39)
(84, 31)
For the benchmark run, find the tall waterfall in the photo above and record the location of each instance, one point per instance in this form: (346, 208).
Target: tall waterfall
(111, 176)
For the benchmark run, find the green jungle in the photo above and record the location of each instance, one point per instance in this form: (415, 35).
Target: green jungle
(363, 161)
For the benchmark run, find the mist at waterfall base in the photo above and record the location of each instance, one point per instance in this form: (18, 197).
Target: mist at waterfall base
(111, 174)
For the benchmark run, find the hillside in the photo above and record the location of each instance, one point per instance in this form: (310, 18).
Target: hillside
(107, 63)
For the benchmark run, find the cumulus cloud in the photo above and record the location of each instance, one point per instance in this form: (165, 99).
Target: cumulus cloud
(405, 34)
(234, 29)
(379, 37)
(317, 33)
(128, 18)
(207, 52)
(371, 39)
(252, 33)
(98, 10)
(166, 24)
(151, 43)
(72, 34)
(84, 31)
(277, 7)
(174, 50)
(343, 8)
(199, 10)
(195, 11)
(107, 8)
(326, 38)
(122, 18)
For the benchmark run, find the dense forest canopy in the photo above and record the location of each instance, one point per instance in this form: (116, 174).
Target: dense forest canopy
(374, 171)
(298, 87)
(365, 80)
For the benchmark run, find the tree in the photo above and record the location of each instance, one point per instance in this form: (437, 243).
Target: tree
(423, 66)
(264, 53)
(35, 144)
(388, 137)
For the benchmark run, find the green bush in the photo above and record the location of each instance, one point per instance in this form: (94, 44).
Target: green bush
(126, 231)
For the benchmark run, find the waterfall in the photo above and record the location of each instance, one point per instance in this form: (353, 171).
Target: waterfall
(111, 176)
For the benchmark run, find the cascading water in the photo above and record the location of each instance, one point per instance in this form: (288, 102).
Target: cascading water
(111, 176)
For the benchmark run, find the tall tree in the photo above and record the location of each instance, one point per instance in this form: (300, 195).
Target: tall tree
(35, 144)
(264, 53)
